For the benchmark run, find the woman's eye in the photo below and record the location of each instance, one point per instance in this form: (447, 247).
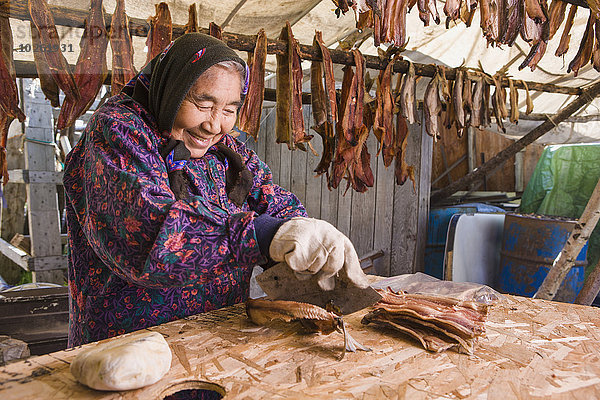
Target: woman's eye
(229, 111)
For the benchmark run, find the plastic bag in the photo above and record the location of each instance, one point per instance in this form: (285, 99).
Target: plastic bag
(425, 284)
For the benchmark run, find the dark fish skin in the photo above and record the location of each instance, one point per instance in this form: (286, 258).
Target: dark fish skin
(47, 83)
(383, 122)
(596, 51)
(486, 118)
(249, 118)
(60, 69)
(432, 107)
(514, 102)
(515, 18)
(556, 14)
(283, 91)
(485, 20)
(192, 25)
(90, 70)
(9, 98)
(214, 30)
(539, 44)
(467, 99)
(452, 9)
(584, 54)
(457, 100)
(123, 69)
(331, 105)
(161, 31)
(565, 38)
(477, 102)
(423, 8)
(533, 9)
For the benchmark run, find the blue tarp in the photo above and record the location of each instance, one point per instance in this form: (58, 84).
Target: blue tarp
(562, 183)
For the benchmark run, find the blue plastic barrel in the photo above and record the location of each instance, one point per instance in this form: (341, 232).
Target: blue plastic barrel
(437, 232)
(530, 243)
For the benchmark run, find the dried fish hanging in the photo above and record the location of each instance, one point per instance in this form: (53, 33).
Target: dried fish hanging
(192, 24)
(214, 30)
(47, 82)
(249, 117)
(383, 127)
(123, 69)
(161, 31)
(9, 100)
(324, 103)
(90, 70)
(458, 102)
(289, 117)
(501, 21)
(352, 158)
(435, 95)
(55, 60)
(563, 45)
(402, 170)
(584, 54)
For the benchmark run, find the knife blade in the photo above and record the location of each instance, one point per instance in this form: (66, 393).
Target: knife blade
(280, 283)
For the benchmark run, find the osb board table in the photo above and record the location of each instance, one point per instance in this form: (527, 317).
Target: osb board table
(534, 349)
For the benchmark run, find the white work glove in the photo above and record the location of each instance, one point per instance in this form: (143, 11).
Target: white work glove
(315, 247)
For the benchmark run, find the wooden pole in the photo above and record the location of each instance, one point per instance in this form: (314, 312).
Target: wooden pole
(591, 287)
(140, 27)
(495, 162)
(566, 259)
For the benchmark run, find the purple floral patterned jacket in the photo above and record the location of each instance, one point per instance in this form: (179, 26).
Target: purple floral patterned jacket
(138, 257)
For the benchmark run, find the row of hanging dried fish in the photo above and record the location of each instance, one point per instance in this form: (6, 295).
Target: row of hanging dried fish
(501, 22)
(81, 85)
(343, 123)
(468, 101)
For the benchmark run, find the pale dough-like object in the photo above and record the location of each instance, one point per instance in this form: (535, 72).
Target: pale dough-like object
(123, 364)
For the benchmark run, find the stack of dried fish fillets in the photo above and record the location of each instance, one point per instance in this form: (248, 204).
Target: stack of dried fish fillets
(439, 323)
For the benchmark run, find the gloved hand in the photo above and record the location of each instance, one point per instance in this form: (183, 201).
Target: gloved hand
(315, 247)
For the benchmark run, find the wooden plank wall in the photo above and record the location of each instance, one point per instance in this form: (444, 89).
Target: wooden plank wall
(450, 149)
(385, 217)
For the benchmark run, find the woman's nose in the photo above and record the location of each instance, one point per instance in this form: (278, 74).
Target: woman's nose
(212, 124)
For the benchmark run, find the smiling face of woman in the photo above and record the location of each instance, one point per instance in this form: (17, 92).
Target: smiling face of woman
(209, 110)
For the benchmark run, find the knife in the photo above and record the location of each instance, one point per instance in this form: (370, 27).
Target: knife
(280, 283)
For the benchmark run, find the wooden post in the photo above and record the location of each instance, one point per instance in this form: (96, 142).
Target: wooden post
(591, 287)
(566, 259)
(47, 262)
(495, 162)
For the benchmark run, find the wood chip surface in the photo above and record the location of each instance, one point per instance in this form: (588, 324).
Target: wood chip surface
(533, 349)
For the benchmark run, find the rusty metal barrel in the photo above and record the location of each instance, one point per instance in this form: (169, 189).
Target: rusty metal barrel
(530, 243)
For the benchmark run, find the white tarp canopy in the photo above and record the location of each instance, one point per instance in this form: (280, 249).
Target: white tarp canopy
(451, 47)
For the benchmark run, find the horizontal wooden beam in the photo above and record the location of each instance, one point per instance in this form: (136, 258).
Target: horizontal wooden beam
(47, 263)
(140, 27)
(27, 176)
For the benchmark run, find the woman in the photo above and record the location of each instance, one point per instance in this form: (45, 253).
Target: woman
(168, 213)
